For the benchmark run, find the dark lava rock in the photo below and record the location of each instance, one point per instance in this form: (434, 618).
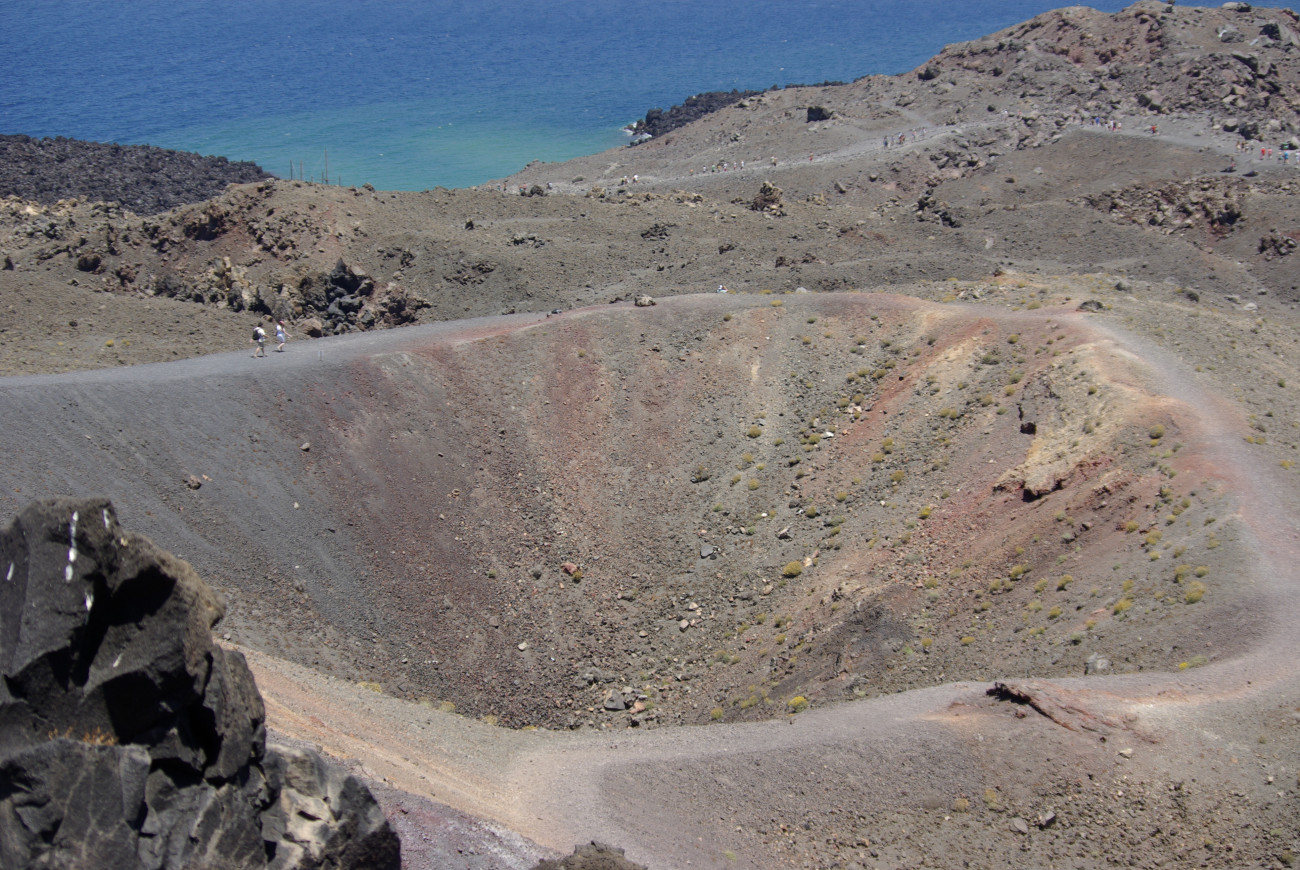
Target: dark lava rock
(128, 738)
(658, 122)
(144, 179)
(592, 856)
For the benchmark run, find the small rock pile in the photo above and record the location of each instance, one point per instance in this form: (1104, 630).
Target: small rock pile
(591, 856)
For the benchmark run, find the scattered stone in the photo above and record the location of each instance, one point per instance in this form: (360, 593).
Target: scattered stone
(569, 568)
(644, 301)
(1019, 825)
(614, 701)
(522, 646)
(305, 446)
(193, 482)
(1126, 752)
(707, 551)
(1096, 664)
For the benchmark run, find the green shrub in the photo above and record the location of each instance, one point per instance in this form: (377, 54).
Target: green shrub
(797, 704)
(792, 569)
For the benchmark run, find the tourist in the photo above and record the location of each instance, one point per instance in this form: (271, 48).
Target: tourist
(259, 339)
(281, 335)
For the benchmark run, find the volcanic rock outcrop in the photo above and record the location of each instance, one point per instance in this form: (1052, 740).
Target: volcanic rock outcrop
(128, 738)
(142, 178)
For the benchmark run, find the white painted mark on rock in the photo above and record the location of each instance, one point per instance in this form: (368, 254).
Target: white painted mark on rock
(72, 548)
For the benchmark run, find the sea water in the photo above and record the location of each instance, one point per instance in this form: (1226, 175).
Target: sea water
(413, 94)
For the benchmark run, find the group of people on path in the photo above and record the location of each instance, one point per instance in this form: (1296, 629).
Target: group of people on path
(259, 338)
(1282, 152)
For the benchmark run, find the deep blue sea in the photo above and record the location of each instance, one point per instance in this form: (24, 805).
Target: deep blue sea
(413, 94)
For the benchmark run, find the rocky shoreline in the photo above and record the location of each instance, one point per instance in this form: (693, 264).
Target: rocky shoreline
(141, 178)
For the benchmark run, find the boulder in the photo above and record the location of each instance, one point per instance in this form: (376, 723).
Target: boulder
(768, 198)
(129, 738)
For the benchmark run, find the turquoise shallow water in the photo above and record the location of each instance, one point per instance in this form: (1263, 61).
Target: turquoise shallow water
(413, 94)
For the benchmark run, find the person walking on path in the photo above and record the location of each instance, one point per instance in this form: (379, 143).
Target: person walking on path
(259, 339)
(281, 336)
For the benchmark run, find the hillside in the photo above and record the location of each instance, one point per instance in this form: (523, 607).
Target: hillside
(997, 395)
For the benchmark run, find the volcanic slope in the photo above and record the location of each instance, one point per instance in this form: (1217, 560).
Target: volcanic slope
(697, 511)
(773, 502)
